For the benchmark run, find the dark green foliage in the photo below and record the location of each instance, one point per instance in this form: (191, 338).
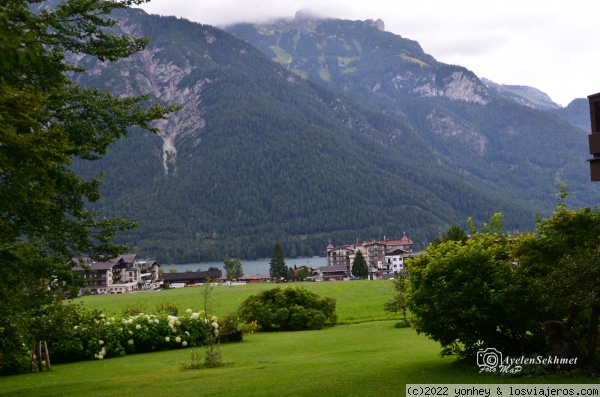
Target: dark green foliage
(469, 296)
(454, 233)
(360, 269)
(277, 267)
(288, 309)
(48, 121)
(303, 273)
(563, 261)
(167, 308)
(398, 302)
(233, 268)
(500, 291)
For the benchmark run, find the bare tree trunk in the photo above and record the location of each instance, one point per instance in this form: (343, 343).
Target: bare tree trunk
(47, 355)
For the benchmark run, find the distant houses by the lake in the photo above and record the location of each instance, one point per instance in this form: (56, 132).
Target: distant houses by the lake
(126, 274)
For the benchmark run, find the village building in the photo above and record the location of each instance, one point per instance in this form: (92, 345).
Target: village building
(384, 257)
(255, 278)
(192, 278)
(119, 275)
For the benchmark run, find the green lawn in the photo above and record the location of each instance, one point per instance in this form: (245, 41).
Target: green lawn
(357, 301)
(368, 358)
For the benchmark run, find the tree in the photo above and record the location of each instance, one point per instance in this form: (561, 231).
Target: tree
(563, 260)
(47, 122)
(303, 273)
(398, 302)
(233, 269)
(278, 269)
(466, 294)
(360, 268)
(454, 233)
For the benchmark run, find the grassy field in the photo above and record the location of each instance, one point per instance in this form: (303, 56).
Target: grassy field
(357, 301)
(361, 358)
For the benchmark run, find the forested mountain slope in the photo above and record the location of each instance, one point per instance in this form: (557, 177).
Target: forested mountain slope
(259, 154)
(523, 152)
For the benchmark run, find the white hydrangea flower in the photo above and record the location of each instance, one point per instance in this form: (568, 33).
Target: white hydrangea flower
(188, 311)
(130, 342)
(184, 343)
(178, 339)
(138, 326)
(167, 339)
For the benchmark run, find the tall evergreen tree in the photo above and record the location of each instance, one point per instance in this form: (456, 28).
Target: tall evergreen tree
(360, 268)
(278, 268)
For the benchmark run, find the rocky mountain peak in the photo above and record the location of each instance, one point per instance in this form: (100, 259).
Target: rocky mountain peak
(378, 24)
(306, 20)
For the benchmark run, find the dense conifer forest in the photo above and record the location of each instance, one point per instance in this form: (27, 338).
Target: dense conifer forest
(274, 153)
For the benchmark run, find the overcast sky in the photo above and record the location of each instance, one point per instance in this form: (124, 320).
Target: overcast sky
(552, 45)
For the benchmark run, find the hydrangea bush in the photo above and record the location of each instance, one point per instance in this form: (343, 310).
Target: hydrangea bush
(97, 336)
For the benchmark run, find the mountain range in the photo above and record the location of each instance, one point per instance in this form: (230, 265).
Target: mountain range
(308, 131)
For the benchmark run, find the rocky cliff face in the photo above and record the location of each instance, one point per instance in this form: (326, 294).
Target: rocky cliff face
(154, 73)
(457, 86)
(161, 79)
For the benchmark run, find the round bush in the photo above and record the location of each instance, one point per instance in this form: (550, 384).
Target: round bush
(291, 308)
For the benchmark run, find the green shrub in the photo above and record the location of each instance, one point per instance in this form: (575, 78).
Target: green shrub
(291, 308)
(167, 308)
(96, 336)
(133, 310)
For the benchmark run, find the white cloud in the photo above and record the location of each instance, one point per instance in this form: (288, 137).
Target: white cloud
(549, 45)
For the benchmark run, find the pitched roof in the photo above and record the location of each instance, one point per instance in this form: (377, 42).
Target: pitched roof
(405, 240)
(192, 276)
(255, 277)
(333, 269)
(93, 265)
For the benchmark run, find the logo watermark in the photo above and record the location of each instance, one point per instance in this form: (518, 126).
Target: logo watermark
(491, 360)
